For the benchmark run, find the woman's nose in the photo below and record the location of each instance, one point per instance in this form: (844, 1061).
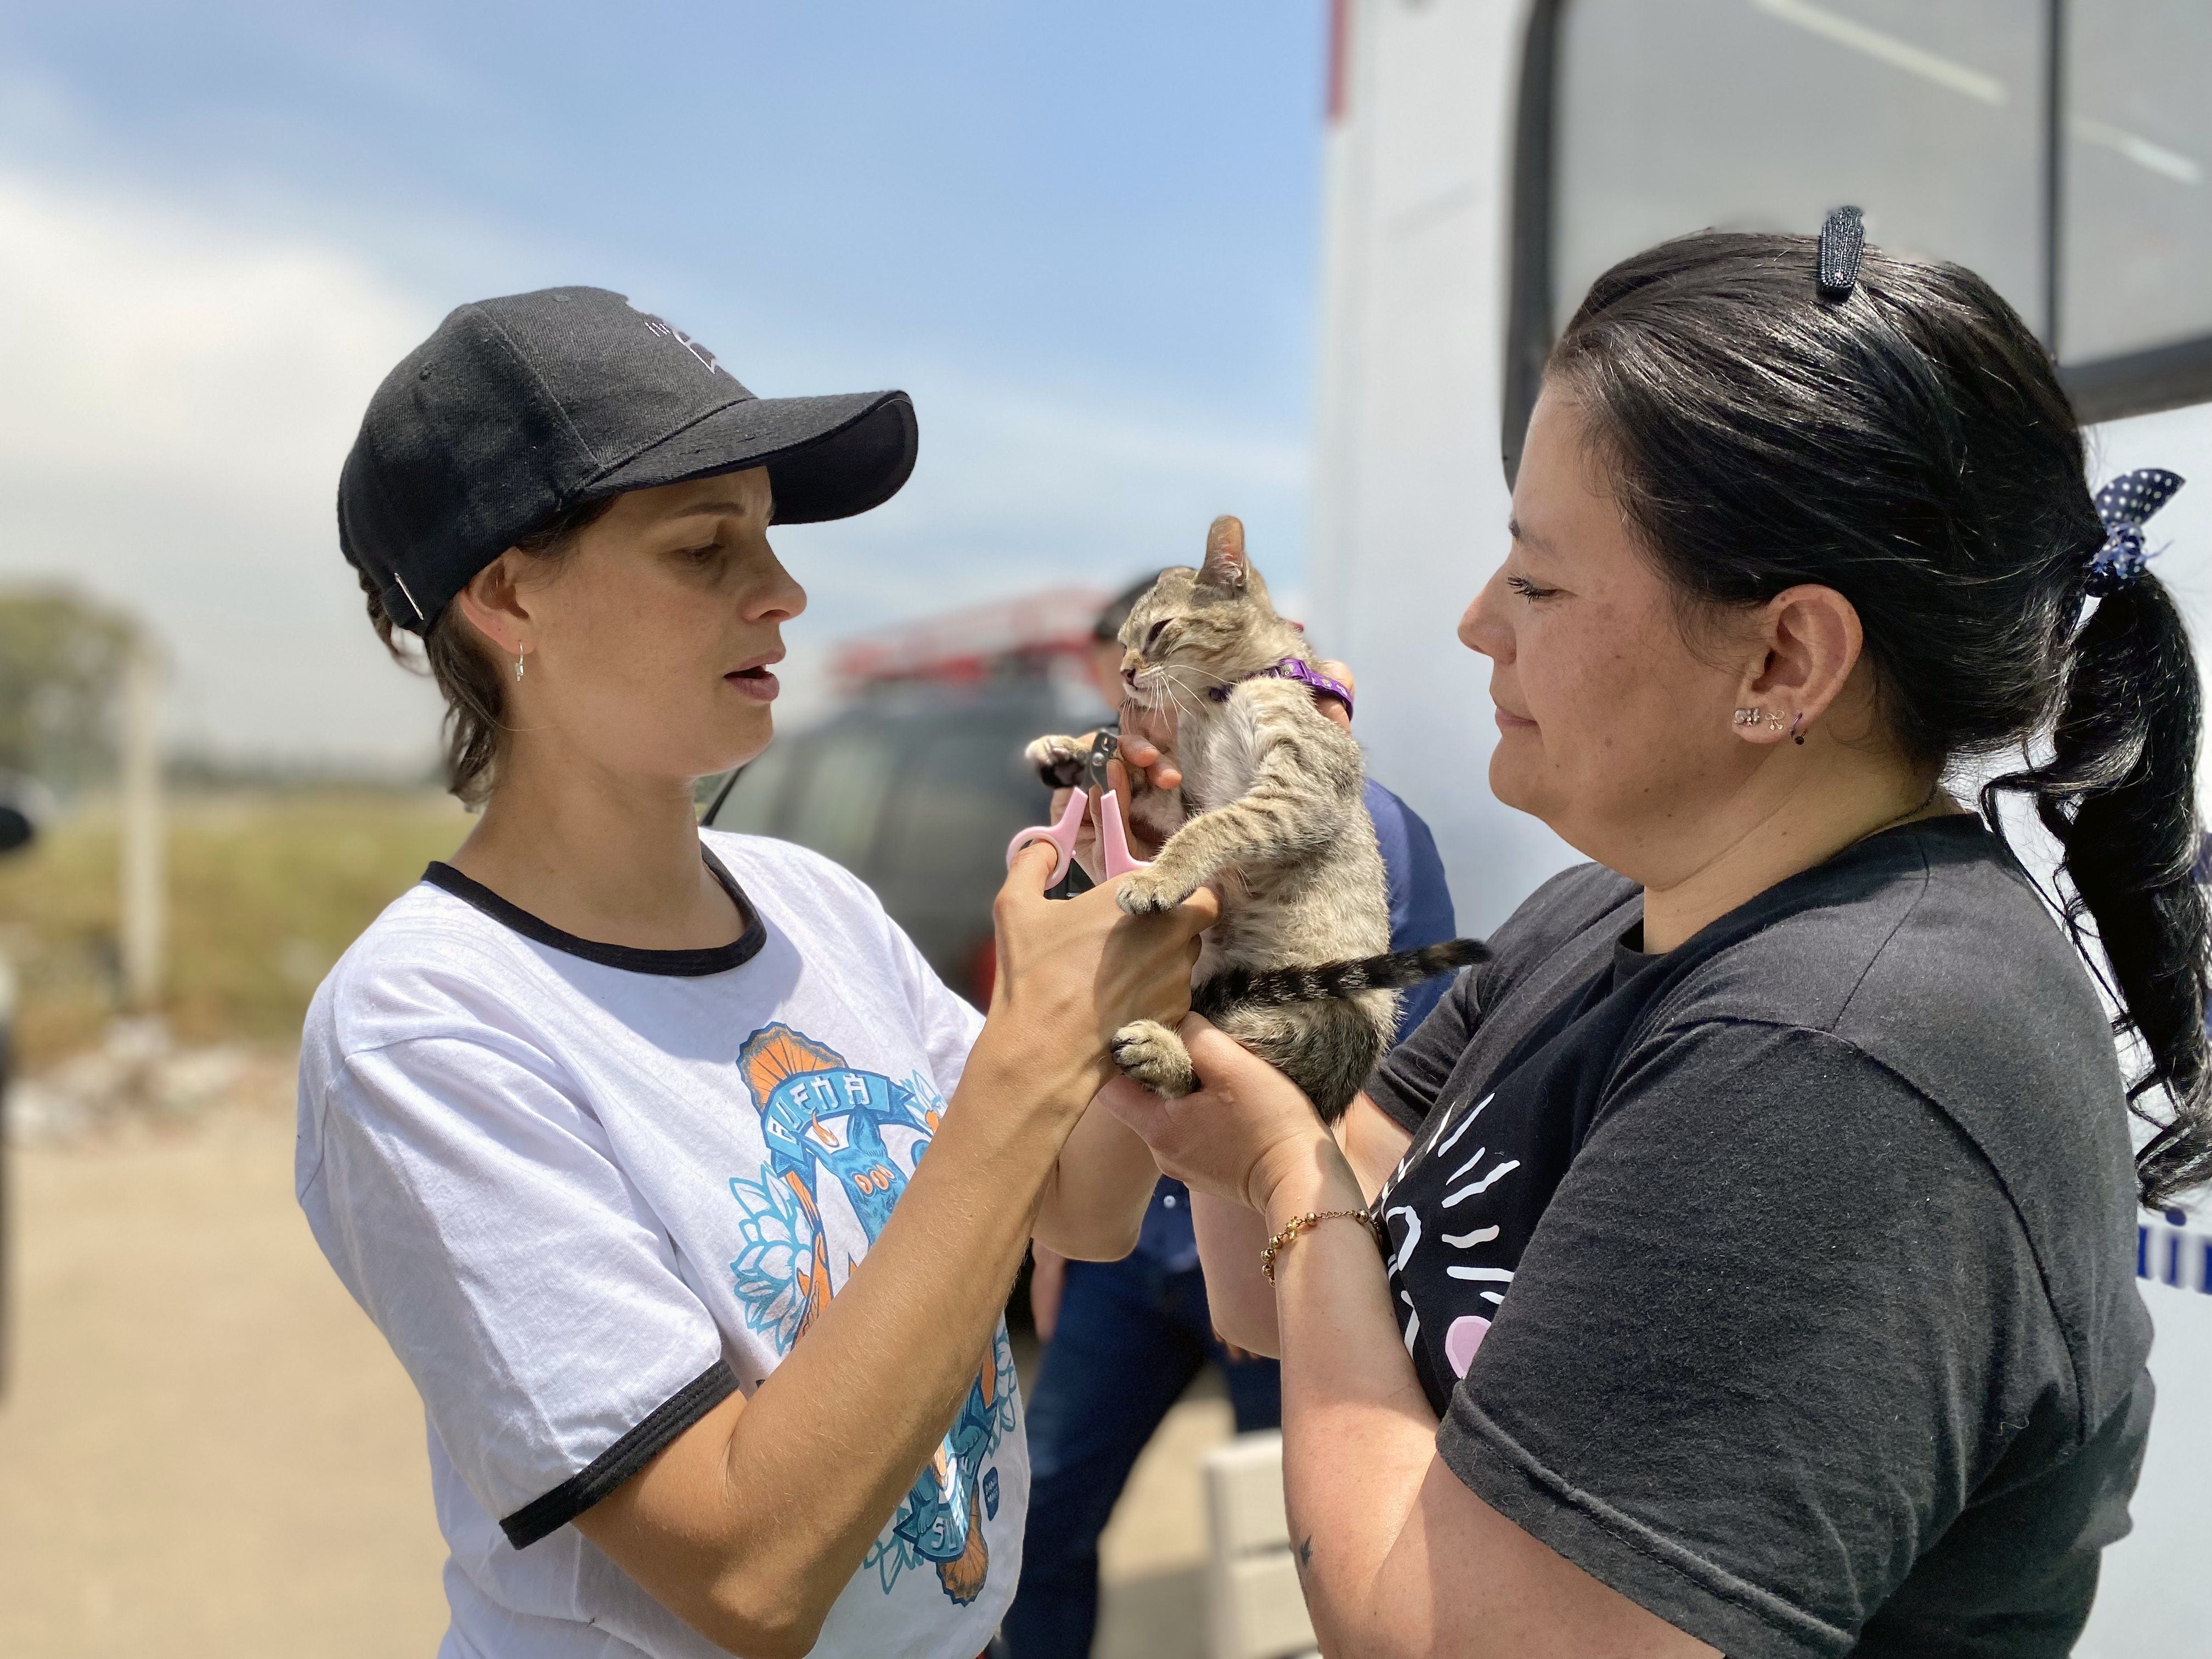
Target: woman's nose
(1482, 625)
(777, 599)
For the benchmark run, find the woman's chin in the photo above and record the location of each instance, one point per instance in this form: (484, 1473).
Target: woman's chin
(743, 741)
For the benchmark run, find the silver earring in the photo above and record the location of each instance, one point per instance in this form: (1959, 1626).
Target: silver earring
(518, 665)
(1748, 716)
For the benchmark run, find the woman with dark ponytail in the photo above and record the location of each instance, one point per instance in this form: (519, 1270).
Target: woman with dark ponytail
(1756, 1229)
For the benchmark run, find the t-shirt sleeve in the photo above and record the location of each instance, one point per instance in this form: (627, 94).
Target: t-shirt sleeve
(1745, 1364)
(469, 1203)
(1411, 1079)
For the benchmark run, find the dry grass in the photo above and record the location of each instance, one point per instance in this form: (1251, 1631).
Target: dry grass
(266, 890)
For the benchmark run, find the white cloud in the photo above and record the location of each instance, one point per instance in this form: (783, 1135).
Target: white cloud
(178, 394)
(175, 406)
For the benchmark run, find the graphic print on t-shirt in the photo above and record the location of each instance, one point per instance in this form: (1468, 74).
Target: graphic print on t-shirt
(845, 1141)
(1463, 1203)
(1473, 1176)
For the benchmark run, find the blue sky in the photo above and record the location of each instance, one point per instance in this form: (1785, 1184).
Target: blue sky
(1085, 238)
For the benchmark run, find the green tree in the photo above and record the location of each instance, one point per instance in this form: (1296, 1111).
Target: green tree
(61, 676)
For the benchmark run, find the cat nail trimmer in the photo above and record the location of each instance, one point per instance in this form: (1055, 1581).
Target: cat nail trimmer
(1062, 835)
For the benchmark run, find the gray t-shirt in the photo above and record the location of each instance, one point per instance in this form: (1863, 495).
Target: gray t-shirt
(1784, 1282)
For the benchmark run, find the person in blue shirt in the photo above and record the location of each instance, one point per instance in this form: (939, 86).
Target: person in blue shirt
(1124, 1339)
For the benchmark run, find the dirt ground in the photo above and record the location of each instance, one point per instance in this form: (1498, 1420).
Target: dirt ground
(206, 1452)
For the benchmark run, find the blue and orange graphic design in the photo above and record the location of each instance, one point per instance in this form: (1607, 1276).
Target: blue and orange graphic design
(838, 1136)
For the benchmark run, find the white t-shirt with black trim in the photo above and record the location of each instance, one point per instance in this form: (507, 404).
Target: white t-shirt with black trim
(587, 1191)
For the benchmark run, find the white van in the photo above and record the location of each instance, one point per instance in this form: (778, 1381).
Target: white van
(1488, 158)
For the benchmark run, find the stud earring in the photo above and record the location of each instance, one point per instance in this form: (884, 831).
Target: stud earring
(1795, 736)
(1747, 716)
(1774, 720)
(518, 665)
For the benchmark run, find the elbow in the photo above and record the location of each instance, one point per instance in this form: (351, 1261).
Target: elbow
(755, 1621)
(1097, 1240)
(1246, 1329)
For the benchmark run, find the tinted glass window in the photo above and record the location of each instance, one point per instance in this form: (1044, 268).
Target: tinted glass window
(755, 802)
(2138, 189)
(1675, 115)
(962, 805)
(841, 797)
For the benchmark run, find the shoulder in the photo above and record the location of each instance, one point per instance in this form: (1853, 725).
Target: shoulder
(1934, 962)
(430, 965)
(796, 879)
(1934, 955)
(779, 861)
(1562, 909)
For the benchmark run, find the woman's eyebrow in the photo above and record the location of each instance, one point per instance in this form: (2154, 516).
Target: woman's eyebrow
(1526, 538)
(718, 508)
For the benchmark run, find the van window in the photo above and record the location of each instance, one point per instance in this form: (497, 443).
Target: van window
(1677, 115)
(840, 804)
(2138, 181)
(754, 805)
(963, 805)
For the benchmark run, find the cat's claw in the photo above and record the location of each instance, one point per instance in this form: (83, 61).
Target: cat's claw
(1150, 1054)
(1144, 893)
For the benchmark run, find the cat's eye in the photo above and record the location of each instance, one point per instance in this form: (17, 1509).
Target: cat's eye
(1158, 628)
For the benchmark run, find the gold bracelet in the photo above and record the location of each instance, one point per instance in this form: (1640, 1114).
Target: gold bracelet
(1305, 1222)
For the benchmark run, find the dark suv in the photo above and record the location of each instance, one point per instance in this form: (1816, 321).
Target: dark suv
(917, 790)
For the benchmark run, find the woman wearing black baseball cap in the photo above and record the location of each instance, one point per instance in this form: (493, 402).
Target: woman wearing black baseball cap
(605, 1116)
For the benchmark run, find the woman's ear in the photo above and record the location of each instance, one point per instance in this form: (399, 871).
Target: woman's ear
(494, 610)
(1808, 643)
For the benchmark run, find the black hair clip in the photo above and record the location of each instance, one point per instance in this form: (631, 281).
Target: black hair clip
(1843, 245)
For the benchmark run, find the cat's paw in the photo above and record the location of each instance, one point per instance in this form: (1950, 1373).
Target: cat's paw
(1150, 1054)
(1153, 892)
(1059, 761)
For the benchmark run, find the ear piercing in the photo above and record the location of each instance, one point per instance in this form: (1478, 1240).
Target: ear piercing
(1772, 719)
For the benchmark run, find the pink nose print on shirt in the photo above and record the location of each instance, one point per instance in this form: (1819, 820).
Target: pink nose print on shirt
(1460, 1341)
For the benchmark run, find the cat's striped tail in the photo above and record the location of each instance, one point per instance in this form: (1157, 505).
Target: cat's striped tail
(1271, 987)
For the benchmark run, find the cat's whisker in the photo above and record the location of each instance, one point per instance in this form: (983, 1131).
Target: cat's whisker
(1193, 668)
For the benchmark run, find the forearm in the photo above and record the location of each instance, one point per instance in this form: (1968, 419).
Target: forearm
(1230, 1240)
(773, 1527)
(1095, 1198)
(1358, 1436)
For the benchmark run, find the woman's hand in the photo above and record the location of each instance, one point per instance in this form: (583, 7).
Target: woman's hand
(1073, 972)
(1247, 1134)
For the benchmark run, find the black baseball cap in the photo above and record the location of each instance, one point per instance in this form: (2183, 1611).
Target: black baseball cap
(520, 407)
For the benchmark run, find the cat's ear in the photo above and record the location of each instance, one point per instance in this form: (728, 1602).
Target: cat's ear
(1225, 566)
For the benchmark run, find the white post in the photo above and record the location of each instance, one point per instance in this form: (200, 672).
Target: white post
(144, 892)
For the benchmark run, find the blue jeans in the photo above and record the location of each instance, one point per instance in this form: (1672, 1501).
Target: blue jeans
(1132, 1334)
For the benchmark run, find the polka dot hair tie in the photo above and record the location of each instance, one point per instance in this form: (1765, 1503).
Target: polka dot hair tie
(2124, 504)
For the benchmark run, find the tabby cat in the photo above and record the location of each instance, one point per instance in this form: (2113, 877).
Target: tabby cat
(1272, 811)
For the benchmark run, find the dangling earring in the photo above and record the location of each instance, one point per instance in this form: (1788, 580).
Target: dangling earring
(518, 665)
(1795, 736)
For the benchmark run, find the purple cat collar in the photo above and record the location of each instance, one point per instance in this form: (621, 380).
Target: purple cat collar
(1291, 668)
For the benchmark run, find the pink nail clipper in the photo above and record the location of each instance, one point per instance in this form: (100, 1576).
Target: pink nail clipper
(1062, 835)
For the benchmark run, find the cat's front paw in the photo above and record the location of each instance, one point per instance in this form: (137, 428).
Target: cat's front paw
(1153, 892)
(1059, 761)
(1150, 1054)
